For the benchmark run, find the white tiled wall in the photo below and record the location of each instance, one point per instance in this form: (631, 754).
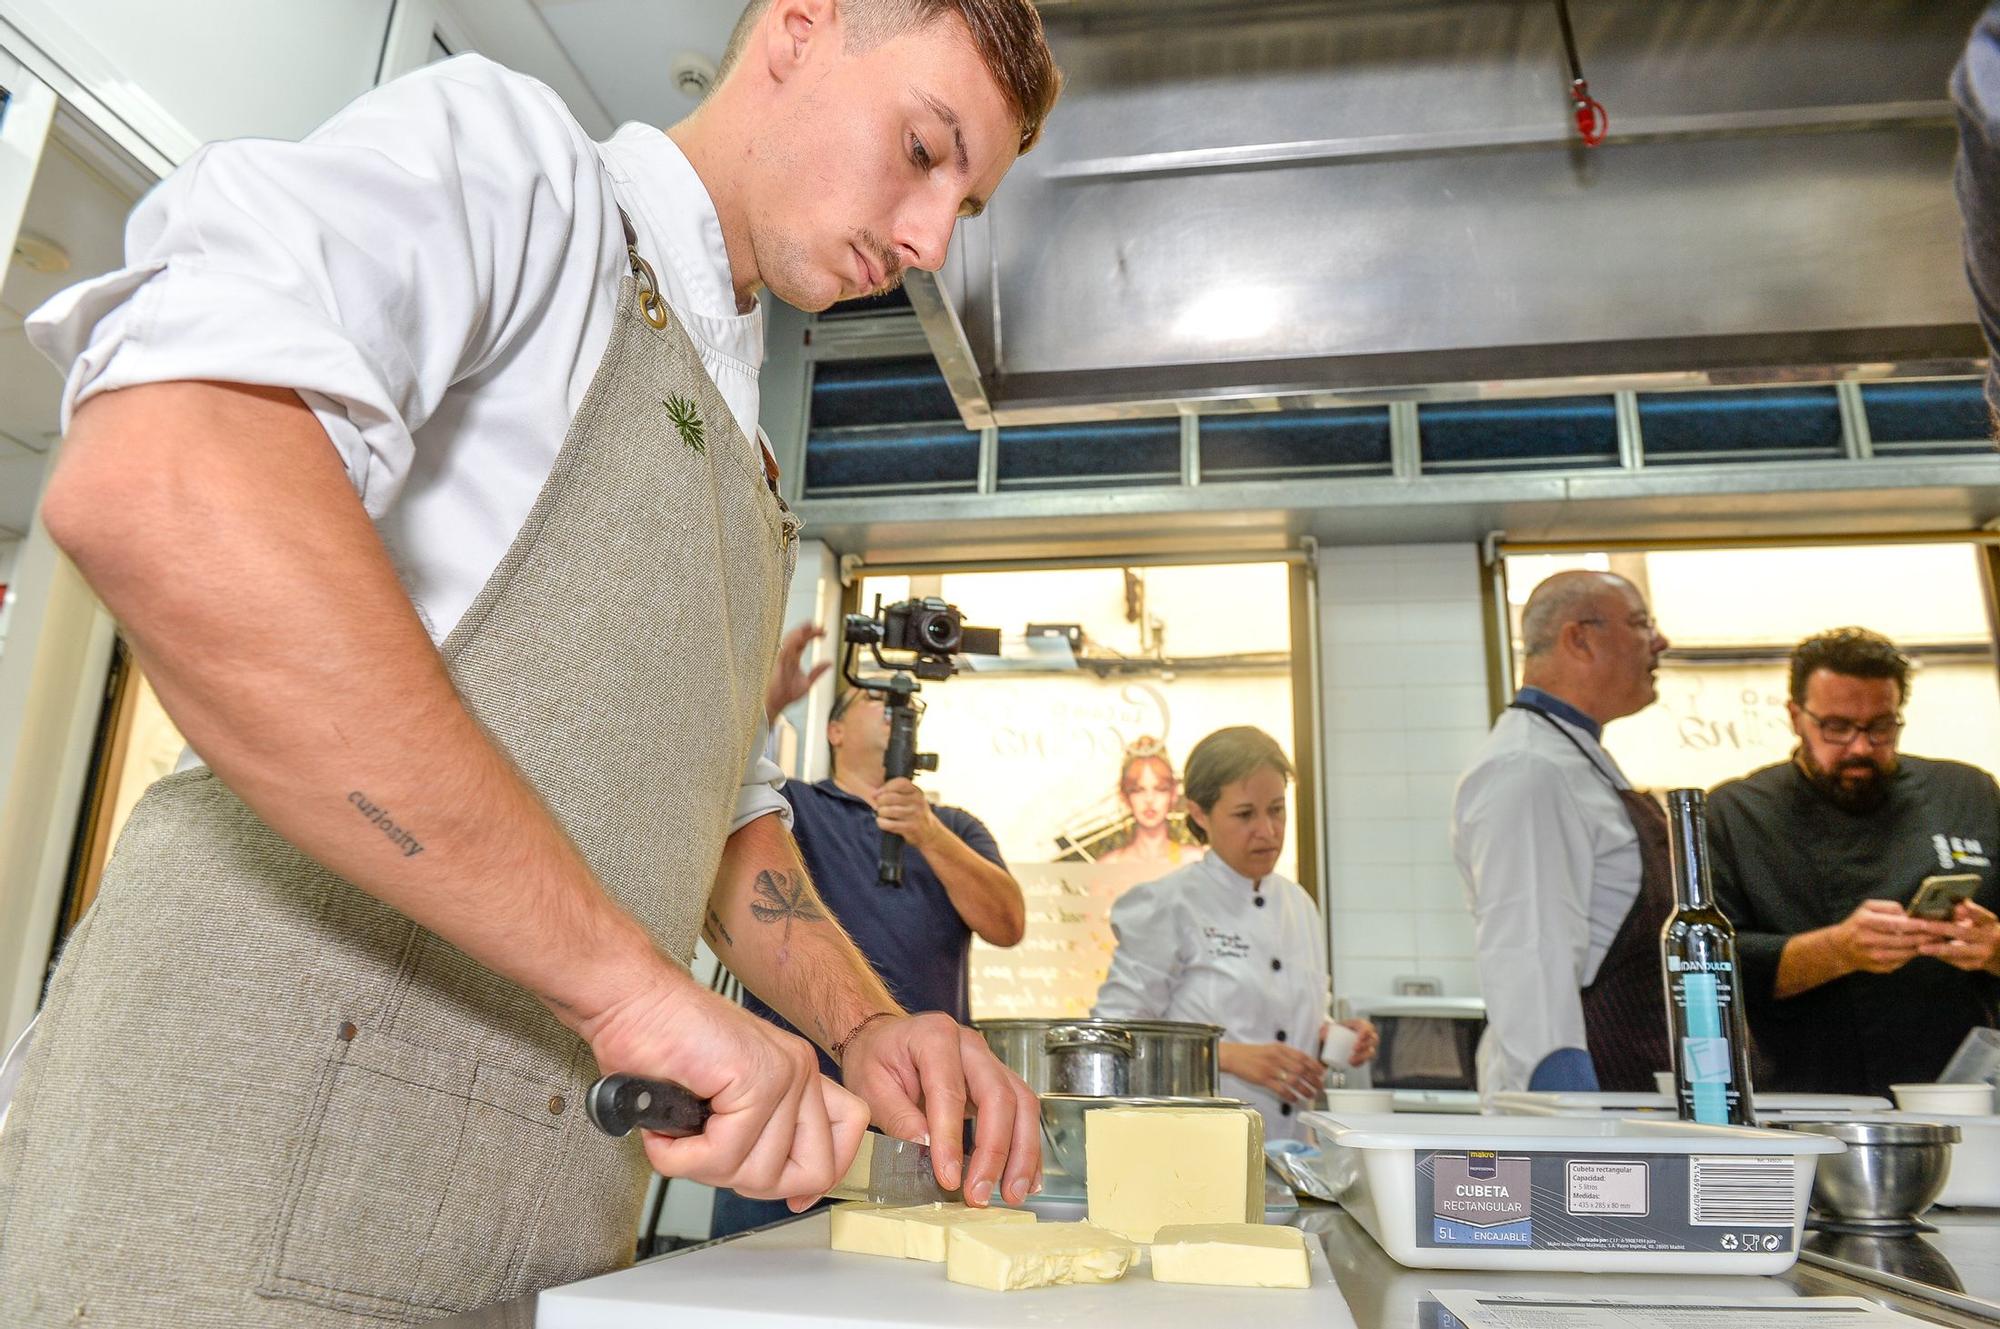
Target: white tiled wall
(1403, 655)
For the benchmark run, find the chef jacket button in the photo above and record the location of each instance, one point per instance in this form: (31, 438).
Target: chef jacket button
(347, 1032)
(1284, 1109)
(1260, 901)
(1277, 963)
(1281, 1035)
(556, 1104)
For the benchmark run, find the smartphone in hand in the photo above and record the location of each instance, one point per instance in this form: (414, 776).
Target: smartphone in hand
(1938, 897)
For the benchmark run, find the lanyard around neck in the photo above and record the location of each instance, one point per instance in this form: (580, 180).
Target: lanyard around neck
(1562, 729)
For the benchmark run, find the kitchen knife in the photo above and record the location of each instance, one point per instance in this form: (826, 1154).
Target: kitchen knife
(885, 1170)
(892, 1171)
(617, 1103)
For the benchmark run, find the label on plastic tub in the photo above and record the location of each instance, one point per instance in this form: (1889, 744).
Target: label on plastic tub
(1726, 1203)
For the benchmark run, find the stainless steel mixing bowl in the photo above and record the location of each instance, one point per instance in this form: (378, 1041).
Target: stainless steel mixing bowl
(1062, 1121)
(1891, 1172)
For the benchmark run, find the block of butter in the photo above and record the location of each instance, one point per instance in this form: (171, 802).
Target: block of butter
(1004, 1256)
(1231, 1255)
(1149, 1166)
(915, 1232)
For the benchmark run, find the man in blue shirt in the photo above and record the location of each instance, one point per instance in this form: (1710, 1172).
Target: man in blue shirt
(917, 936)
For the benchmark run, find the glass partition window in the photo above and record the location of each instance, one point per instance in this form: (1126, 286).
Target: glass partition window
(1061, 748)
(1733, 616)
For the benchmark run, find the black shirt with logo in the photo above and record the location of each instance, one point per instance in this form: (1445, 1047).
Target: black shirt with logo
(1787, 859)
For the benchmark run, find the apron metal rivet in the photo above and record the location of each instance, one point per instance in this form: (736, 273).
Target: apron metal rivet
(556, 1105)
(347, 1033)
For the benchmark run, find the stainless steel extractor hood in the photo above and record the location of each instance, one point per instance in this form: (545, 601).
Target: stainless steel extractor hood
(1241, 206)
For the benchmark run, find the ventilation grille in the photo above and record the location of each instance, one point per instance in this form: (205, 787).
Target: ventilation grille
(891, 426)
(1541, 434)
(1940, 417)
(1295, 445)
(1765, 424)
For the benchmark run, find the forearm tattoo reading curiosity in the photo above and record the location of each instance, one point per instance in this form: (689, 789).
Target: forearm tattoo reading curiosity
(781, 898)
(378, 817)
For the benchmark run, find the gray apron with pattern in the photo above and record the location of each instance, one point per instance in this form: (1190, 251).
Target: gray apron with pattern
(258, 1095)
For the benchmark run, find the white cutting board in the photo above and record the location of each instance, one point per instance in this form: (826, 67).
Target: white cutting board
(786, 1277)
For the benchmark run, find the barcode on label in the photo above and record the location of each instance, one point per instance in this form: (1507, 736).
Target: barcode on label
(1739, 1191)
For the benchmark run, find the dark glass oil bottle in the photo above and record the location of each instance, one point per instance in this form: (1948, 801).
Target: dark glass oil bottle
(1706, 1024)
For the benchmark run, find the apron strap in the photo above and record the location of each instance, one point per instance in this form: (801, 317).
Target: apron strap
(650, 304)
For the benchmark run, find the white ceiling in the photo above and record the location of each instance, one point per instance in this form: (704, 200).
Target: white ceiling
(624, 48)
(75, 207)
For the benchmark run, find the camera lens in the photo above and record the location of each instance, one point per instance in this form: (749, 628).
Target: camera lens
(939, 631)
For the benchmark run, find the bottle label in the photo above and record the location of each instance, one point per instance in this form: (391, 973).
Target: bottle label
(1705, 1048)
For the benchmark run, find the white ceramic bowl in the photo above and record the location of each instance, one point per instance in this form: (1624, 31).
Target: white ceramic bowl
(1360, 1100)
(1970, 1100)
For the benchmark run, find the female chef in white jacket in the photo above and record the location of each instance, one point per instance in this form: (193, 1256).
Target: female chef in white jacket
(1228, 941)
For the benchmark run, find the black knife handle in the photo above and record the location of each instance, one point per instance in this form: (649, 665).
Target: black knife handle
(617, 1103)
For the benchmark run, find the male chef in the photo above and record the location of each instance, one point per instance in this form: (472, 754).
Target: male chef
(1566, 863)
(1814, 860)
(419, 462)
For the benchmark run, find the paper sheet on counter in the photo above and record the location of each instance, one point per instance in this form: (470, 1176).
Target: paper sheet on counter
(1515, 1310)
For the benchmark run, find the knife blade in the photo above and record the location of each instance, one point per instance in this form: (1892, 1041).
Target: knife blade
(892, 1171)
(617, 1104)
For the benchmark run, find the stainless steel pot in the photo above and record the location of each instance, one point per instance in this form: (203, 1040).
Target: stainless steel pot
(1168, 1057)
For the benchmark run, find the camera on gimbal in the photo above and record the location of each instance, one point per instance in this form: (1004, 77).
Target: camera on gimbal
(930, 631)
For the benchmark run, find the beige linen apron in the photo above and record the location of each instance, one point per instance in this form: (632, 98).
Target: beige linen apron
(261, 1097)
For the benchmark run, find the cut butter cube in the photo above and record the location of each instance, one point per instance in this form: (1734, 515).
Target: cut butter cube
(913, 1232)
(1004, 1256)
(867, 1229)
(1146, 1167)
(1231, 1255)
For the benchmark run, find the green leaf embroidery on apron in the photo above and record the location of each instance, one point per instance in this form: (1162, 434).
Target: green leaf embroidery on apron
(687, 422)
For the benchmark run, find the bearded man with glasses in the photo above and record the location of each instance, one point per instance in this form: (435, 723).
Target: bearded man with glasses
(1814, 860)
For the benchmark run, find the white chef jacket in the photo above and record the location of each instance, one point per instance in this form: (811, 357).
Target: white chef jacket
(1195, 945)
(435, 270)
(1551, 859)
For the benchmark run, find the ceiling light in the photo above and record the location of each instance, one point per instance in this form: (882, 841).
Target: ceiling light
(38, 253)
(693, 73)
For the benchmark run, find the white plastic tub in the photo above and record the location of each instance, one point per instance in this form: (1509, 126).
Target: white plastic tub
(1575, 1194)
(1974, 1182)
(1526, 1104)
(1963, 1099)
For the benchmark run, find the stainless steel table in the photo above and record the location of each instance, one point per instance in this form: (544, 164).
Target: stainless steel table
(1385, 1295)
(1956, 1268)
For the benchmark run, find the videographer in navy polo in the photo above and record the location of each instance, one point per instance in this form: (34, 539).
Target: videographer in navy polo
(1814, 859)
(917, 936)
